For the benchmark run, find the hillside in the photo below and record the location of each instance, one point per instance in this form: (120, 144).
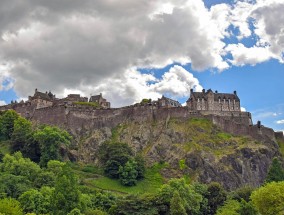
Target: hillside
(193, 147)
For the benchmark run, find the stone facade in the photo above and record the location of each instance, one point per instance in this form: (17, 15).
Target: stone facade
(100, 100)
(42, 100)
(210, 101)
(168, 103)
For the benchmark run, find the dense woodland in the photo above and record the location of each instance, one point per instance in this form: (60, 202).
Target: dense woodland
(35, 178)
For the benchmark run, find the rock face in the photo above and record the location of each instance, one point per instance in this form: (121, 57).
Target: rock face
(208, 153)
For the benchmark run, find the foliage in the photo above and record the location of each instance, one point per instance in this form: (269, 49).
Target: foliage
(145, 101)
(276, 172)
(103, 200)
(190, 199)
(118, 161)
(182, 164)
(216, 196)
(55, 166)
(10, 206)
(66, 195)
(75, 211)
(17, 165)
(152, 182)
(269, 199)
(242, 193)
(247, 208)
(140, 166)
(135, 205)
(176, 206)
(12, 185)
(7, 124)
(128, 173)
(22, 134)
(34, 201)
(50, 138)
(230, 207)
(202, 189)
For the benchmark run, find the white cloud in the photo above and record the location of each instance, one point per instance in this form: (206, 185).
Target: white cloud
(243, 109)
(77, 46)
(280, 121)
(71, 45)
(267, 19)
(2, 103)
(134, 86)
(243, 55)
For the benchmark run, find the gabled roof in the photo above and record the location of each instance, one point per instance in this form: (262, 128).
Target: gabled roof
(44, 96)
(96, 97)
(204, 95)
(170, 100)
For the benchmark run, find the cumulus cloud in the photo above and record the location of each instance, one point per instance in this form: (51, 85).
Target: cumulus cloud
(280, 121)
(80, 46)
(134, 86)
(243, 109)
(2, 103)
(68, 45)
(262, 20)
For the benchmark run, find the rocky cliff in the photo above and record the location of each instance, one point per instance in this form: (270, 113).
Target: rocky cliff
(194, 147)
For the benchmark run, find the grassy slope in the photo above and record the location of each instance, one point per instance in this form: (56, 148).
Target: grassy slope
(205, 136)
(93, 178)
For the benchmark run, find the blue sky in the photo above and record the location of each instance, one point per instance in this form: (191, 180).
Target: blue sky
(129, 50)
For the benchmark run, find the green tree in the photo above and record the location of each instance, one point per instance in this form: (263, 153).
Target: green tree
(128, 173)
(269, 199)
(55, 166)
(10, 206)
(135, 205)
(103, 200)
(16, 164)
(21, 135)
(176, 207)
(50, 138)
(33, 201)
(112, 155)
(75, 211)
(66, 195)
(216, 196)
(242, 193)
(276, 172)
(12, 185)
(247, 208)
(7, 124)
(140, 167)
(230, 207)
(191, 200)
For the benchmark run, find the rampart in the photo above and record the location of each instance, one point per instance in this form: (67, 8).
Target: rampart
(76, 118)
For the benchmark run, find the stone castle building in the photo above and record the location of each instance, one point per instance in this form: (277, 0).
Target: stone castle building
(168, 103)
(100, 100)
(213, 101)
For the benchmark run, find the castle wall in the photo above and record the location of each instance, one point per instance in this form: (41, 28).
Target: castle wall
(77, 118)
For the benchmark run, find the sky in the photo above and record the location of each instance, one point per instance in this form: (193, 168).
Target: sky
(129, 50)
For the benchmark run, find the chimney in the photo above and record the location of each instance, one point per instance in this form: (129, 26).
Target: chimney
(203, 91)
(235, 92)
(191, 90)
(216, 91)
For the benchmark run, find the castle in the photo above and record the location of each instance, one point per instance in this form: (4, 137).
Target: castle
(211, 101)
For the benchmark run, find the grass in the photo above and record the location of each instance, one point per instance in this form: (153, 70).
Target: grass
(281, 146)
(150, 184)
(92, 104)
(202, 134)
